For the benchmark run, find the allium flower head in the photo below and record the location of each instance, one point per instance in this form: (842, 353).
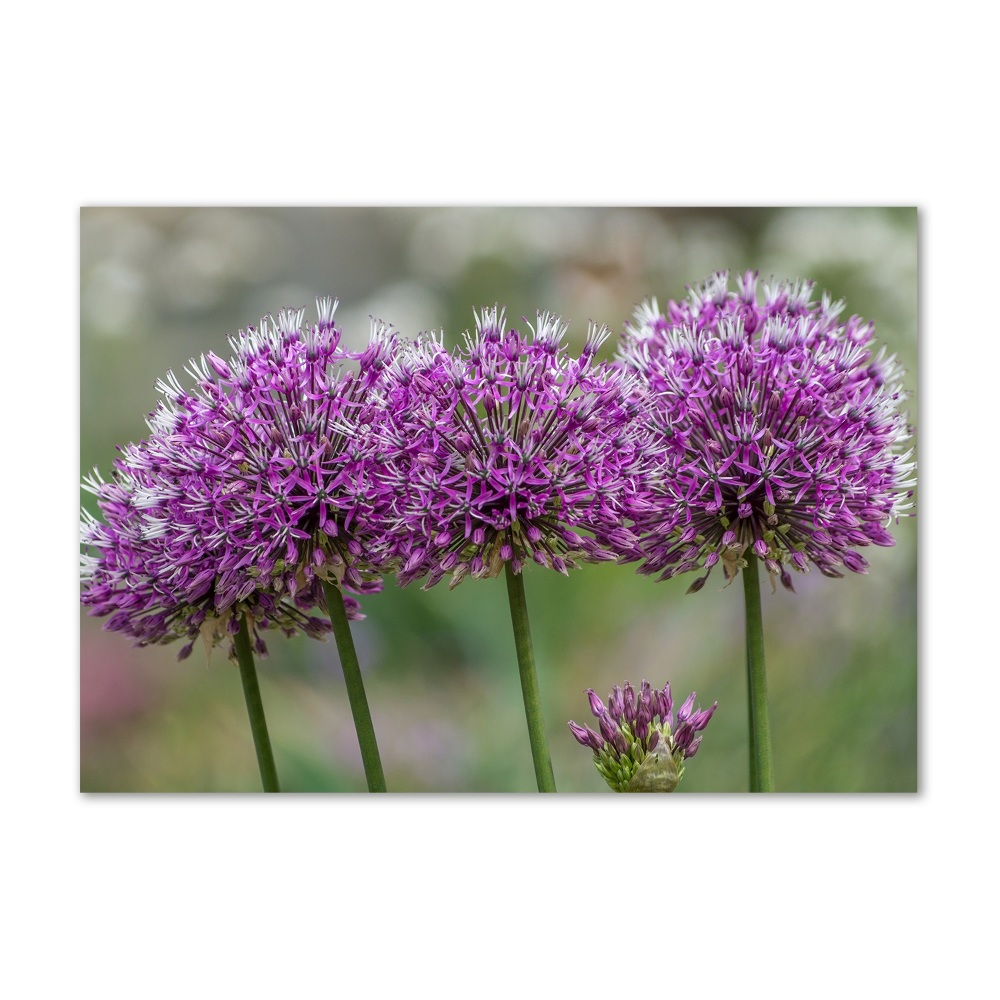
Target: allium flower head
(640, 746)
(781, 429)
(504, 451)
(250, 488)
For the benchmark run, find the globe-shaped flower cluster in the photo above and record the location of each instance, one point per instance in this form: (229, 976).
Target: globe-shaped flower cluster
(504, 451)
(250, 489)
(780, 431)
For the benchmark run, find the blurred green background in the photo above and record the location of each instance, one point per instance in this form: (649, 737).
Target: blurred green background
(159, 285)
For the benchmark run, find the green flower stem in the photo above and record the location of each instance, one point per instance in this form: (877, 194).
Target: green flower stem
(753, 757)
(761, 764)
(355, 687)
(255, 708)
(529, 682)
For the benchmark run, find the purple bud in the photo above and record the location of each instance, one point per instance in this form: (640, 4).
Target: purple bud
(609, 730)
(683, 736)
(666, 703)
(628, 693)
(642, 725)
(596, 705)
(854, 561)
(219, 366)
(616, 703)
(699, 720)
(685, 710)
(645, 695)
(581, 733)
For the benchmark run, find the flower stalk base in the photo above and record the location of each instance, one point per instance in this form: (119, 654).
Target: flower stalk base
(529, 682)
(255, 708)
(355, 687)
(761, 764)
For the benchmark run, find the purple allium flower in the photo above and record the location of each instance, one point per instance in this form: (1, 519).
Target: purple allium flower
(504, 451)
(781, 430)
(249, 490)
(640, 746)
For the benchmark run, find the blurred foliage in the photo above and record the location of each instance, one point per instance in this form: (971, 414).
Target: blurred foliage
(159, 285)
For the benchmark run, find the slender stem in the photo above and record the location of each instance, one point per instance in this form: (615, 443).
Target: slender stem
(761, 765)
(255, 709)
(753, 756)
(529, 682)
(355, 687)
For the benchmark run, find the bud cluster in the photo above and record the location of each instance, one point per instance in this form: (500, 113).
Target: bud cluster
(640, 746)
